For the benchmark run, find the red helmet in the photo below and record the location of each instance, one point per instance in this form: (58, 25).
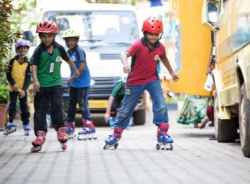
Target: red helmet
(152, 25)
(47, 27)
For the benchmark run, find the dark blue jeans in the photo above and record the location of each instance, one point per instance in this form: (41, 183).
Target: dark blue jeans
(25, 115)
(78, 96)
(131, 98)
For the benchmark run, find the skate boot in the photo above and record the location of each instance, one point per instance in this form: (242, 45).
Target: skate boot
(88, 130)
(112, 122)
(164, 140)
(26, 129)
(39, 141)
(113, 139)
(71, 130)
(62, 137)
(10, 128)
(130, 124)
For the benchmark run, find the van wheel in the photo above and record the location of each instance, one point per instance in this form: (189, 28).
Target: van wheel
(244, 122)
(225, 130)
(140, 117)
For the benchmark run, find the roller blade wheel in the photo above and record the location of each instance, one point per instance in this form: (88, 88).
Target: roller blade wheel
(107, 146)
(10, 131)
(64, 146)
(36, 149)
(72, 136)
(86, 137)
(26, 133)
(161, 146)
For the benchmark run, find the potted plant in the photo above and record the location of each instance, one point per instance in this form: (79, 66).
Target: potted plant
(4, 91)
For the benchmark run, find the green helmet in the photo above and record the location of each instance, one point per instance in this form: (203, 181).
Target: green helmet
(69, 33)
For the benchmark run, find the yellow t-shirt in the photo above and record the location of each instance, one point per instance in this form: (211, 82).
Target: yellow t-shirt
(18, 73)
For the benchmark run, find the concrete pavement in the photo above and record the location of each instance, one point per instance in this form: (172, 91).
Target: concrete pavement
(195, 158)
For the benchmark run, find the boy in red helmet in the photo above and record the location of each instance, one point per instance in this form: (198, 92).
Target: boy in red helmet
(46, 64)
(143, 75)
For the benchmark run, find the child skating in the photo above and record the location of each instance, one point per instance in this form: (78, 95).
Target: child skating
(18, 76)
(79, 89)
(115, 101)
(143, 75)
(46, 64)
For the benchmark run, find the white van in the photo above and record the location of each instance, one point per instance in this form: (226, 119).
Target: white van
(105, 31)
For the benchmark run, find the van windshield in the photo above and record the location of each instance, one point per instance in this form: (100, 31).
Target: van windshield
(96, 28)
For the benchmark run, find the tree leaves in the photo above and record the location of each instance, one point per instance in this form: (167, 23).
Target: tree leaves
(7, 37)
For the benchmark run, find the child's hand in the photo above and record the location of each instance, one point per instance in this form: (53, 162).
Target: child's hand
(127, 69)
(36, 86)
(14, 88)
(22, 94)
(76, 73)
(175, 77)
(106, 117)
(70, 81)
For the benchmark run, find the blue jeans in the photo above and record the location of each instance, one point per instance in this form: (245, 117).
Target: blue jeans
(131, 98)
(78, 96)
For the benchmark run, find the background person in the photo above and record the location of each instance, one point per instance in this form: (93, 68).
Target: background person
(18, 76)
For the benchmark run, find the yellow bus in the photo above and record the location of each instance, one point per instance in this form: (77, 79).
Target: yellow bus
(230, 19)
(192, 42)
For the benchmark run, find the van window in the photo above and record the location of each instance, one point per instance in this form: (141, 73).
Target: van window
(97, 27)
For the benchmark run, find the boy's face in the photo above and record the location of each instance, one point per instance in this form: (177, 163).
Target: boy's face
(152, 37)
(47, 39)
(22, 51)
(71, 43)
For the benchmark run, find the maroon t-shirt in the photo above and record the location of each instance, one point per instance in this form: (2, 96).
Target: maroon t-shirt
(144, 62)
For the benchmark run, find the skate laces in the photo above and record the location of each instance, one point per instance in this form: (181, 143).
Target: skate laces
(113, 137)
(117, 132)
(87, 130)
(61, 133)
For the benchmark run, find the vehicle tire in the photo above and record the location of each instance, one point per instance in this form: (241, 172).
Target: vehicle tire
(139, 117)
(225, 130)
(244, 122)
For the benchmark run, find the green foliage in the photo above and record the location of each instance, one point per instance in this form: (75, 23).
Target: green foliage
(3, 92)
(7, 37)
(21, 14)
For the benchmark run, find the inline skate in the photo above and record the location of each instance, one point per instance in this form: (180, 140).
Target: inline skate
(39, 141)
(88, 130)
(62, 137)
(112, 121)
(164, 140)
(113, 139)
(26, 129)
(10, 128)
(71, 130)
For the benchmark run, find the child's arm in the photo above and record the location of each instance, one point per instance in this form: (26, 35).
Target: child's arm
(10, 78)
(71, 64)
(26, 82)
(35, 79)
(124, 59)
(76, 72)
(82, 66)
(66, 58)
(168, 66)
(107, 114)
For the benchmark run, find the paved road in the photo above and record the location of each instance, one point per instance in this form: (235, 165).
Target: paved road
(195, 159)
